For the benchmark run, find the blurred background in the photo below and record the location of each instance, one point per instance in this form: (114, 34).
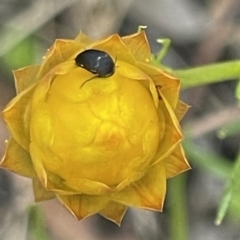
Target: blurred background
(202, 32)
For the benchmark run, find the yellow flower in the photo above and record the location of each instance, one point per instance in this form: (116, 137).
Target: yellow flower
(101, 146)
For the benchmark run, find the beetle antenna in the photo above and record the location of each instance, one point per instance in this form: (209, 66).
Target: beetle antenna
(87, 81)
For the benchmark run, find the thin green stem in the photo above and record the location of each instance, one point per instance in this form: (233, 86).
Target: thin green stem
(165, 42)
(178, 227)
(208, 74)
(231, 186)
(37, 228)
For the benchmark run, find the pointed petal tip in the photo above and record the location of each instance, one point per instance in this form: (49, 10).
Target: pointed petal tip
(156, 206)
(118, 222)
(83, 206)
(114, 212)
(177, 162)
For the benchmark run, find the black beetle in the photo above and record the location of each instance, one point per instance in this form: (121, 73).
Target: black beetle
(97, 62)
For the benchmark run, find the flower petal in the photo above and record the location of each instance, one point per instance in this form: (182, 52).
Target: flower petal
(87, 186)
(172, 135)
(83, 205)
(169, 85)
(139, 46)
(116, 48)
(83, 39)
(132, 72)
(42, 89)
(37, 164)
(176, 162)
(181, 110)
(40, 193)
(17, 116)
(61, 51)
(148, 192)
(42, 127)
(56, 184)
(25, 77)
(104, 147)
(18, 160)
(114, 212)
